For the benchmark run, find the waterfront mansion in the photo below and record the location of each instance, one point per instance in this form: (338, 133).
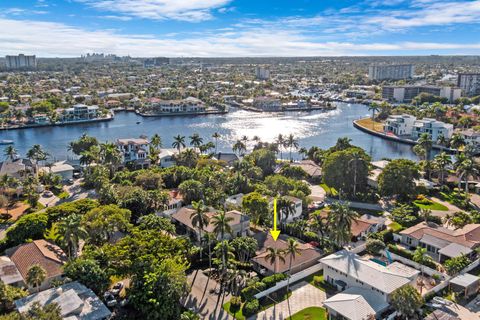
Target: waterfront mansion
(409, 126)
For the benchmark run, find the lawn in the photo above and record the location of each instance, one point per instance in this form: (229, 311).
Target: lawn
(370, 124)
(395, 226)
(265, 303)
(432, 206)
(318, 282)
(312, 313)
(239, 315)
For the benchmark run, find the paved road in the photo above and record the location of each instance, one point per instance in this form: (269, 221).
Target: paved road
(463, 313)
(317, 192)
(304, 295)
(206, 304)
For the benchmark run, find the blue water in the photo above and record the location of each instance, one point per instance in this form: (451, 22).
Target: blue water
(378, 261)
(317, 128)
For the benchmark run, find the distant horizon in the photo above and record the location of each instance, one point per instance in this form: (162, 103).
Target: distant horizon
(241, 28)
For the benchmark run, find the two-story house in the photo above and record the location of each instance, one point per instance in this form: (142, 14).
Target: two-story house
(135, 151)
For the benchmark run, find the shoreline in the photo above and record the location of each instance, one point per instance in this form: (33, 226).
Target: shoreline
(180, 114)
(321, 108)
(395, 138)
(62, 124)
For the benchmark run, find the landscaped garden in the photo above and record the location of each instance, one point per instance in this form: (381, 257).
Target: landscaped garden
(312, 313)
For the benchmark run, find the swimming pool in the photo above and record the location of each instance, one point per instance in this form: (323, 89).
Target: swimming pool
(380, 262)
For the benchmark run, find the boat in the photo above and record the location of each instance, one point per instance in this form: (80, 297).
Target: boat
(5, 142)
(138, 122)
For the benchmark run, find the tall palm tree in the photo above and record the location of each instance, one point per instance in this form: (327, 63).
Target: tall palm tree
(208, 237)
(457, 141)
(178, 142)
(285, 208)
(156, 141)
(421, 257)
(425, 141)
(110, 156)
(465, 169)
(292, 250)
(274, 255)
(425, 214)
(199, 219)
(239, 147)
(292, 143)
(280, 141)
(72, 232)
(221, 225)
(224, 253)
(216, 136)
(441, 161)
(374, 108)
(442, 140)
(195, 140)
(341, 218)
(356, 158)
(36, 274)
(10, 152)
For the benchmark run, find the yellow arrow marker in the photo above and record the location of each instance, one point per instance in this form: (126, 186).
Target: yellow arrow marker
(275, 233)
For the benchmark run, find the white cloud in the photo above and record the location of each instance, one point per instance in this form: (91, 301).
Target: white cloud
(56, 39)
(186, 10)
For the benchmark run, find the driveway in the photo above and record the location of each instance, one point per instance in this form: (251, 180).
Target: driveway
(317, 192)
(465, 313)
(207, 305)
(304, 295)
(451, 208)
(76, 191)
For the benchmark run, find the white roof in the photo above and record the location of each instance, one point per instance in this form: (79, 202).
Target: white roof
(356, 303)
(454, 250)
(386, 279)
(57, 167)
(465, 280)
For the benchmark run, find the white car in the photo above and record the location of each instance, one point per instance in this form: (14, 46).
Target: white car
(441, 301)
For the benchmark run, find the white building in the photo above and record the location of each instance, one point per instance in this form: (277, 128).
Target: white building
(262, 73)
(399, 125)
(21, 61)
(61, 168)
(167, 158)
(267, 103)
(469, 83)
(471, 137)
(134, 150)
(80, 112)
(391, 72)
(407, 93)
(433, 127)
(356, 276)
(189, 104)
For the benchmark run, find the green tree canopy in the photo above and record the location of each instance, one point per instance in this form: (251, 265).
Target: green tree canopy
(398, 179)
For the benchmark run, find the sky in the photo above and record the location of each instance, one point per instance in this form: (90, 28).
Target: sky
(239, 28)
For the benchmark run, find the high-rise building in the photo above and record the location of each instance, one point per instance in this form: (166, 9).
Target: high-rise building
(469, 83)
(262, 73)
(407, 93)
(21, 62)
(155, 62)
(391, 72)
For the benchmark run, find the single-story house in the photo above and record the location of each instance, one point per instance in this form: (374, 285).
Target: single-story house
(355, 304)
(240, 224)
(443, 243)
(307, 257)
(61, 168)
(345, 269)
(313, 170)
(48, 255)
(74, 299)
(228, 158)
(16, 168)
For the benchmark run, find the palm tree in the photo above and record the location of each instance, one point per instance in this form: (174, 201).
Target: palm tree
(216, 136)
(239, 147)
(442, 140)
(426, 143)
(341, 218)
(196, 140)
(178, 142)
(199, 219)
(356, 157)
(111, 156)
(465, 169)
(285, 208)
(425, 214)
(292, 143)
(292, 250)
(374, 108)
(10, 152)
(457, 141)
(156, 141)
(225, 251)
(441, 161)
(221, 225)
(72, 232)
(280, 141)
(421, 257)
(274, 255)
(36, 274)
(208, 237)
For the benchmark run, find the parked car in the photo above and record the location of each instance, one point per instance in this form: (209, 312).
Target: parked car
(441, 301)
(110, 299)
(316, 205)
(70, 181)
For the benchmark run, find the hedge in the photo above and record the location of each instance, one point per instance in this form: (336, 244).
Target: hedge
(251, 307)
(409, 255)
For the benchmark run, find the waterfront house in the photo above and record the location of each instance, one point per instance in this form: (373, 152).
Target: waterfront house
(188, 105)
(134, 151)
(80, 112)
(399, 125)
(307, 257)
(267, 104)
(41, 118)
(356, 276)
(74, 299)
(432, 127)
(442, 243)
(46, 254)
(61, 168)
(166, 158)
(240, 223)
(228, 157)
(17, 168)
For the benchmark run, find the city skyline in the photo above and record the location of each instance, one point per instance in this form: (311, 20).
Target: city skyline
(235, 28)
